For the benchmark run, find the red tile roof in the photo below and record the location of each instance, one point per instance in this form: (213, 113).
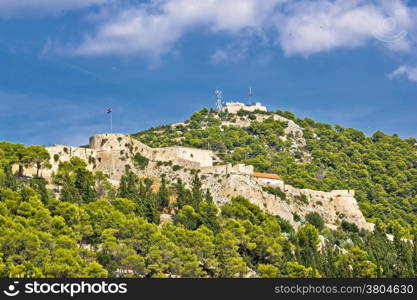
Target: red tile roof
(267, 175)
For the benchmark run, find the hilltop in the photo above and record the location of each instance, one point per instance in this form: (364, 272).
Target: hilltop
(235, 192)
(381, 169)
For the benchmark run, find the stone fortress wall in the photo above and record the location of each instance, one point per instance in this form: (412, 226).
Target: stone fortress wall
(121, 142)
(62, 153)
(110, 153)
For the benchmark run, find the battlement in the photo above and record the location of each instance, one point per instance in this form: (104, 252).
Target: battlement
(109, 141)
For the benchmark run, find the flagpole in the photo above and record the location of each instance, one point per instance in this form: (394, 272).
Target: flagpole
(111, 122)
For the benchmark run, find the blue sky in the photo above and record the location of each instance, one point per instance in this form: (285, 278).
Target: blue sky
(63, 62)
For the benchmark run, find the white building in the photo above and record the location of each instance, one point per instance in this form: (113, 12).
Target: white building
(234, 107)
(269, 179)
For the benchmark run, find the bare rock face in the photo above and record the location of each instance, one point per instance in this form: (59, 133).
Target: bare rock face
(111, 153)
(334, 206)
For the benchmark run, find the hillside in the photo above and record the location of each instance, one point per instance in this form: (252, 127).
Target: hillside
(382, 169)
(113, 154)
(243, 194)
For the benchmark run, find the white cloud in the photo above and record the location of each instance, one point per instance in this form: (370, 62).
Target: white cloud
(408, 71)
(19, 8)
(299, 27)
(233, 52)
(220, 56)
(155, 27)
(229, 55)
(308, 27)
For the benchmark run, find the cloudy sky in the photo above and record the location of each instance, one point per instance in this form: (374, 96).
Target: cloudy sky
(63, 62)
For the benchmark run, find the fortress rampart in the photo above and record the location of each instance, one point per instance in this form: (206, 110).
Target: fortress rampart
(120, 142)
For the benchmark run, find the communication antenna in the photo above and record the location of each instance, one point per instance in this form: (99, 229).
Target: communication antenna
(219, 99)
(250, 96)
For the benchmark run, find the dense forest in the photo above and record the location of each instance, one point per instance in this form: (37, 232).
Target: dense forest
(87, 228)
(382, 169)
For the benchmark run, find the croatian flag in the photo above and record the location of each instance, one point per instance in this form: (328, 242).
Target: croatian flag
(109, 110)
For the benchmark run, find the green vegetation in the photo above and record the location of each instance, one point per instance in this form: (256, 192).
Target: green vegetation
(276, 191)
(349, 227)
(316, 220)
(382, 169)
(92, 230)
(176, 168)
(87, 228)
(141, 161)
(302, 199)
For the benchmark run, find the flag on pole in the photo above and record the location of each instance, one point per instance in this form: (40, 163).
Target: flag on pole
(109, 112)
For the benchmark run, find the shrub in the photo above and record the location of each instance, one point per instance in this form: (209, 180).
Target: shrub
(302, 198)
(175, 168)
(349, 227)
(296, 217)
(285, 225)
(315, 219)
(141, 161)
(252, 116)
(276, 191)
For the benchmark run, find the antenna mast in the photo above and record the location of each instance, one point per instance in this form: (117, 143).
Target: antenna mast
(219, 99)
(250, 96)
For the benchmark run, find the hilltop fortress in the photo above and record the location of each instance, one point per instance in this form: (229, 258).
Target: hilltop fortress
(112, 153)
(234, 107)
